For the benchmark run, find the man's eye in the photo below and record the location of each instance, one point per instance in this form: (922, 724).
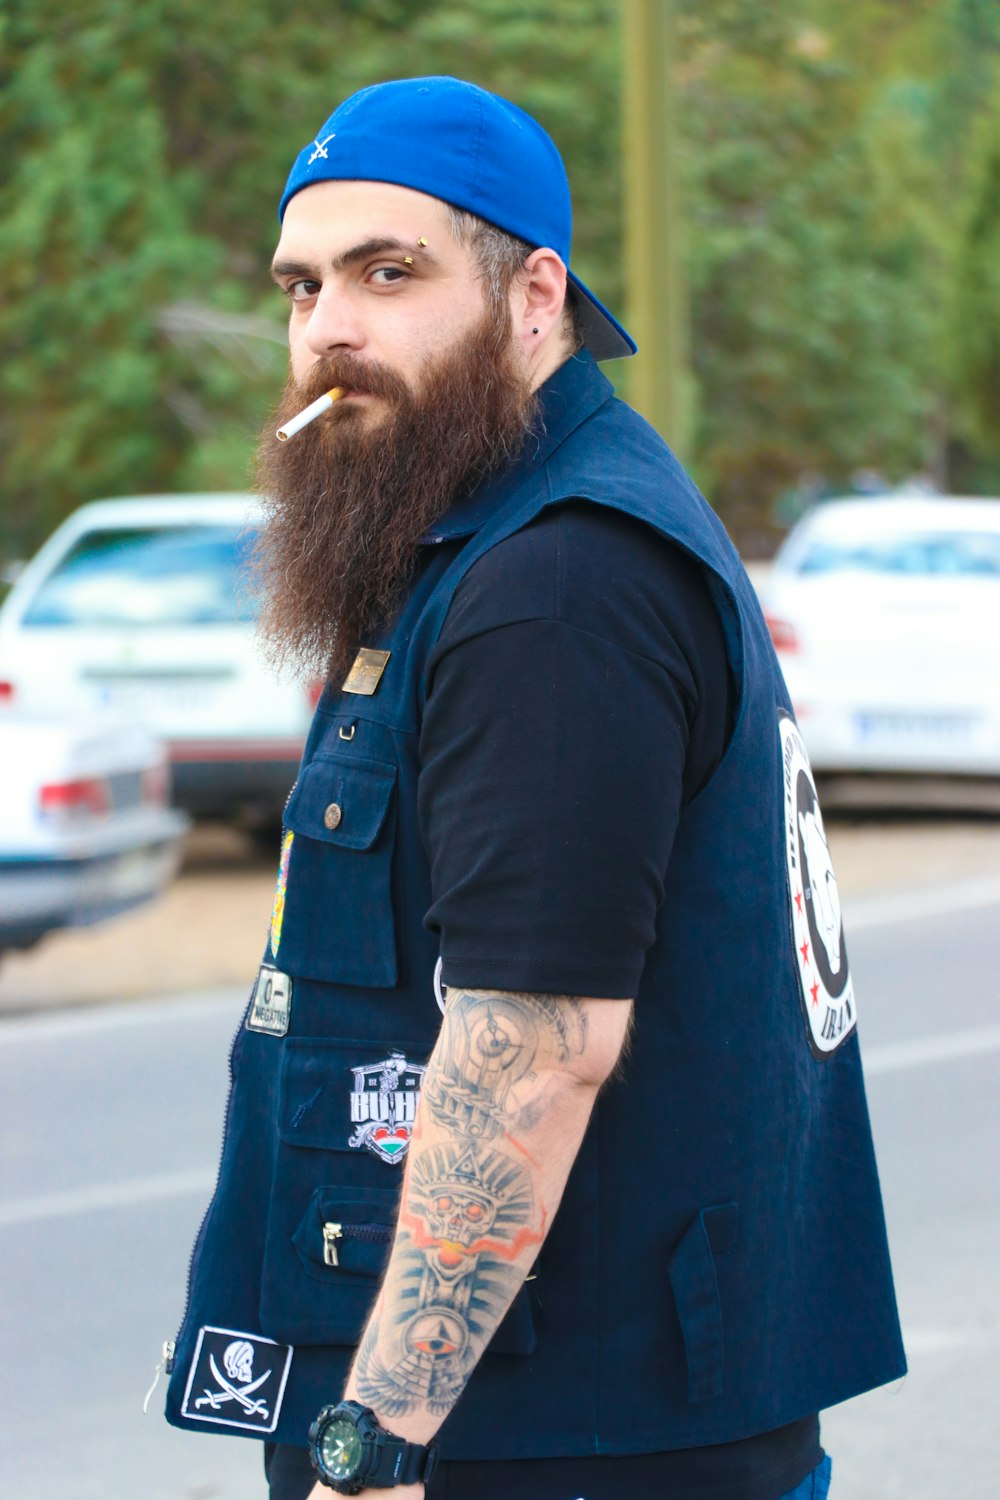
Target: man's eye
(388, 275)
(301, 291)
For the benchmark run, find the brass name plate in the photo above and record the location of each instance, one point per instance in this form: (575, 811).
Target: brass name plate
(366, 673)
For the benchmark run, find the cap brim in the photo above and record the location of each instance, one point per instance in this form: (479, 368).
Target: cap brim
(604, 336)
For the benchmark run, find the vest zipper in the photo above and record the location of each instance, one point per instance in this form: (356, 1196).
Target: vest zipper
(166, 1361)
(371, 1234)
(285, 808)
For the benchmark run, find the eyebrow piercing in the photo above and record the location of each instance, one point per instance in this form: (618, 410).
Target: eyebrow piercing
(422, 241)
(407, 260)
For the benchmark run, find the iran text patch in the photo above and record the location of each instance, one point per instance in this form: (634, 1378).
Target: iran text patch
(817, 927)
(237, 1380)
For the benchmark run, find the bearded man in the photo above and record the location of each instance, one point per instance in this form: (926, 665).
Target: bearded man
(547, 1167)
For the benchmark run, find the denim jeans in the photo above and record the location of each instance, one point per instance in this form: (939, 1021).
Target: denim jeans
(815, 1486)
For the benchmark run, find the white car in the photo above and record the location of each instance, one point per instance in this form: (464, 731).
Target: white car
(886, 617)
(142, 606)
(85, 829)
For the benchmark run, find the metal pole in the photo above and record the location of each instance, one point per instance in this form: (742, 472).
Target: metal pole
(655, 297)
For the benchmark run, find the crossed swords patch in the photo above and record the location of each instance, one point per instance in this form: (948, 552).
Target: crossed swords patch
(224, 1385)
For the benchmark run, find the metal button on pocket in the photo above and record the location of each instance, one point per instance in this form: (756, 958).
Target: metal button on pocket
(333, 815)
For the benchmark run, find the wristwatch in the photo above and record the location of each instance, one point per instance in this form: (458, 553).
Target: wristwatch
(351, 1451)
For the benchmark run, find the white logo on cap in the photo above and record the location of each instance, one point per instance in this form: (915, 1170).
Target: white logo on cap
(320, 148)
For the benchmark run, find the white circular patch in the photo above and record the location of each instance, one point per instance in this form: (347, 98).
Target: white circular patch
(817, 928)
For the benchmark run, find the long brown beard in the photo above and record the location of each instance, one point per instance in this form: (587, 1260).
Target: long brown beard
(346, 503)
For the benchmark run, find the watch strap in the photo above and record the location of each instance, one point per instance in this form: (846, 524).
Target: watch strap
(400, 1462)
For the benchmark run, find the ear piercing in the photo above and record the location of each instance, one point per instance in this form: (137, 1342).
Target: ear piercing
(534, 330)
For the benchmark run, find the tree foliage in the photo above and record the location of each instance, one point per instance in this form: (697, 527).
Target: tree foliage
(977, 293)
(841, 230)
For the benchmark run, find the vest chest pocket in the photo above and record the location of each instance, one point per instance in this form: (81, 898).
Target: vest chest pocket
(337, 923)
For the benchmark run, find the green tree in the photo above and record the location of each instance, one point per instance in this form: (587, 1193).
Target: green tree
(839, 194)
(145, 147)
(977, 292)
(813, 261)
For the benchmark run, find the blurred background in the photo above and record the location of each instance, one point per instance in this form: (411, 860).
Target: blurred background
(795, 206)
(838, 191)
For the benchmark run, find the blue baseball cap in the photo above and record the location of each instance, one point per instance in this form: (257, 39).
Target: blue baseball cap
(470, 148)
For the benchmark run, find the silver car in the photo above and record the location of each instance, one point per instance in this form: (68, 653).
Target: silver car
(85, 829)
(143, 607)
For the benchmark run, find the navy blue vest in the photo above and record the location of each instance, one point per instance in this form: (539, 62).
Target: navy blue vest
(718, 1266)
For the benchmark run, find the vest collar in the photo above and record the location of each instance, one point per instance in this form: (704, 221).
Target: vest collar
(573, 393)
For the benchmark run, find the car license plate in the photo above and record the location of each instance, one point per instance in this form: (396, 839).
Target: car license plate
(914, 728)
(152, 695)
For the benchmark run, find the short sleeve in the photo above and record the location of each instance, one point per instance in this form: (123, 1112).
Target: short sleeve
(579, 696)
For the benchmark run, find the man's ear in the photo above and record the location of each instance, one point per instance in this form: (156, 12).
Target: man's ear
(537, 299)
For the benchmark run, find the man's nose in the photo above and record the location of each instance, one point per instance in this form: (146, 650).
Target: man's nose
(333, 324)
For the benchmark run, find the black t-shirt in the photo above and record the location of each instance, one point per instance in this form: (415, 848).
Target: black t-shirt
(580, 696)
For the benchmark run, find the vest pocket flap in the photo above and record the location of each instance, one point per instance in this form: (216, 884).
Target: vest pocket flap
(339, 1095)
(333, 915)
(696, 1295)
(347, 1231)
(516, 1333)
(341, 802)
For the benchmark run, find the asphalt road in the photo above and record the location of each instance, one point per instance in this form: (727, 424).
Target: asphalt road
(208, 930)
(111, 1119)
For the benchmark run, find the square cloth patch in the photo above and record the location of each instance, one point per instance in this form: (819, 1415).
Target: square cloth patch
(237, 1380)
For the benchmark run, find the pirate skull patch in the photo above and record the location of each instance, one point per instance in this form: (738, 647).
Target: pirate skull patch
(237, 1380)
(817, 928)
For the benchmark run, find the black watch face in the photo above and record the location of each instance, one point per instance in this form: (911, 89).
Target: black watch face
(340, 1448)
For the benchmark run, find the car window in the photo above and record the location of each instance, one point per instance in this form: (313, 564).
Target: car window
(174, 575)
(955, 553)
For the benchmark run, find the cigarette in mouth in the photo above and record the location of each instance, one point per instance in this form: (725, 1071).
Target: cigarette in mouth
(318, 407)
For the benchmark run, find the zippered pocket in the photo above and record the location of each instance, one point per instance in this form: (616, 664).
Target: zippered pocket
(319, 1282)
(321, 1288)
(346, 1232)
(342, 1239)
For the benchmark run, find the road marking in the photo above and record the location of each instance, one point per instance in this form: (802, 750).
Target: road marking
(87, 1020)
(922, 1051)
(916, 906)
(87, 1200)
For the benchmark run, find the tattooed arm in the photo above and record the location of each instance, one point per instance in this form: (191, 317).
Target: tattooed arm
(507, 1095)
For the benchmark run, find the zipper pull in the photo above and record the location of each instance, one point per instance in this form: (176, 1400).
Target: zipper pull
(165, 1365)
(331, 1234)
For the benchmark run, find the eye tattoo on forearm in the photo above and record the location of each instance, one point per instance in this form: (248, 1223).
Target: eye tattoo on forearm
(468, 1213)
(469, 1210)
